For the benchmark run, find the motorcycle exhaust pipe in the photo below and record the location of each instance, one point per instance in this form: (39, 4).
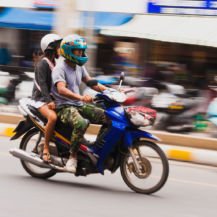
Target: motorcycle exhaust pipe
(29, 157)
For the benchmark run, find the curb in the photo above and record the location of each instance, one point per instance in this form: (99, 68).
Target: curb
(7, 130)
(191, 155)
(178, 153)
(172, 139)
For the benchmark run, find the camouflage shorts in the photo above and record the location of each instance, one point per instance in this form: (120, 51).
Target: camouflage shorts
(78, 118)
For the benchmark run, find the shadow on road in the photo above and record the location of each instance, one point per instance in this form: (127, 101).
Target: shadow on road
(71, 185)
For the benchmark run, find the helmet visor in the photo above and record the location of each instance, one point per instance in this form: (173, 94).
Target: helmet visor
(78, 52)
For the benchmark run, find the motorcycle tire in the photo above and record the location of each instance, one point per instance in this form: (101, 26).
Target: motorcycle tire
(30, 168)
(150, 162)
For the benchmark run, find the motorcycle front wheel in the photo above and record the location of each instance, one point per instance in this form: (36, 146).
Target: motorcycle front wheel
(152, 171)
(28, 144)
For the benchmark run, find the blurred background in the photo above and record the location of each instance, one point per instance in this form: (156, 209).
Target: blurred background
(167, 49)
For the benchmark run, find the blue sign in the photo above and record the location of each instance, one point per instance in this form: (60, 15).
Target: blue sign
(191, 7)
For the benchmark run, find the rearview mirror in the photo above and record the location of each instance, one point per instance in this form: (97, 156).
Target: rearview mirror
(122, 76)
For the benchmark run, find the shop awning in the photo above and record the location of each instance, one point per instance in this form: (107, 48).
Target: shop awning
(103, 19)
(44, 20)
(26, 19)
(193, 30)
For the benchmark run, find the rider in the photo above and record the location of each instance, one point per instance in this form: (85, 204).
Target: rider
(42, 99)
(73, 108)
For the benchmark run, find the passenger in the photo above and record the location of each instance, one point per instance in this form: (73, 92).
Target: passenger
(41, 96)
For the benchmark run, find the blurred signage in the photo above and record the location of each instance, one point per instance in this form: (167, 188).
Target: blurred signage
(191, 7)
(45, 4)
(116, 6)
(16, 3)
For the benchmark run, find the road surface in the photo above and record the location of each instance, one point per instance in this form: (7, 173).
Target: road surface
(191, 191)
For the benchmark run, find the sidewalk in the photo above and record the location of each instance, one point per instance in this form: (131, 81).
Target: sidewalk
(193, 155)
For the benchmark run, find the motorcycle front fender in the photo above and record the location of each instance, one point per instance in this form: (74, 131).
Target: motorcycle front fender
(132, 135)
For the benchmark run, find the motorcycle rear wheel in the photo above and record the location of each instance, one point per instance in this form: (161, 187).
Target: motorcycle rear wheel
(154, 168)
(28, 143)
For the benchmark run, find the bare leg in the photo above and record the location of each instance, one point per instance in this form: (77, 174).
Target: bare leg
(49, 128)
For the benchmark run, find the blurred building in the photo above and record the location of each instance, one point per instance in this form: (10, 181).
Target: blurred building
(22, 24)
(174, 33)
(135, 35)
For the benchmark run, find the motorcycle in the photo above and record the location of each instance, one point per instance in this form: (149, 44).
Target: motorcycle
(10, 92)
(212, 117)
(7, 94)
(143, 165)
(177, 111)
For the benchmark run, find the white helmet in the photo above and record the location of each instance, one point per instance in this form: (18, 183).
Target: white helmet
(48, 39)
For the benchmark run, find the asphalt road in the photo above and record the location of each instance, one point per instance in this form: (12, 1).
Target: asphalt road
(191, 191)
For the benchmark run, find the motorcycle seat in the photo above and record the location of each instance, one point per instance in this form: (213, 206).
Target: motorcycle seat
(35, 112)
(61, 128)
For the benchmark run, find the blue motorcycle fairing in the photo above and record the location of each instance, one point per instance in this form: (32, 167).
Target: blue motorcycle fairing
(118, 132)
(130, 135)
(121, 130)
(115, 134)
(119, 123)
(117, 113)
(106, 98)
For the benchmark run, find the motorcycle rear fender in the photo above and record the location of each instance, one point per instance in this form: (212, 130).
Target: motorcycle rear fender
(22, 128)
(131, 135)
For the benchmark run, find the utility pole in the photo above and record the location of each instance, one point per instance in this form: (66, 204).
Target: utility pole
(67, 17)
(68, 22)
(92, 44)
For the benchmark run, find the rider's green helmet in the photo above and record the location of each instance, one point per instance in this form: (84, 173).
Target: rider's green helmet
(74, 42)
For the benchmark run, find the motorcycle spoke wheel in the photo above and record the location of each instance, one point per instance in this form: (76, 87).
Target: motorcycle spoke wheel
(153, 168)
(28, 144)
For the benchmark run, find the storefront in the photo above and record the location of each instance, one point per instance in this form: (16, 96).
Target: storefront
(188, 40)
(21, 30)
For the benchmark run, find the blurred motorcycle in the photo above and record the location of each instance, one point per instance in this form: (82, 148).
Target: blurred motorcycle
(10, 81)
(139, 91)
(212, 117)
(178, 111)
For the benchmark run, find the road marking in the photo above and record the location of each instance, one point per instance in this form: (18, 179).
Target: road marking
(194, 182)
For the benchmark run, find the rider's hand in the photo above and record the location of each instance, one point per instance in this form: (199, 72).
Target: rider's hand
(87, 98)
(51, 105)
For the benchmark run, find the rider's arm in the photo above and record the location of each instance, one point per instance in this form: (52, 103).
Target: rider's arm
(86, 77)
(64, 91)
(98, 87)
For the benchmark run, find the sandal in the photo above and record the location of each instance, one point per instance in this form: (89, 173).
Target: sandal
(46, 157)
